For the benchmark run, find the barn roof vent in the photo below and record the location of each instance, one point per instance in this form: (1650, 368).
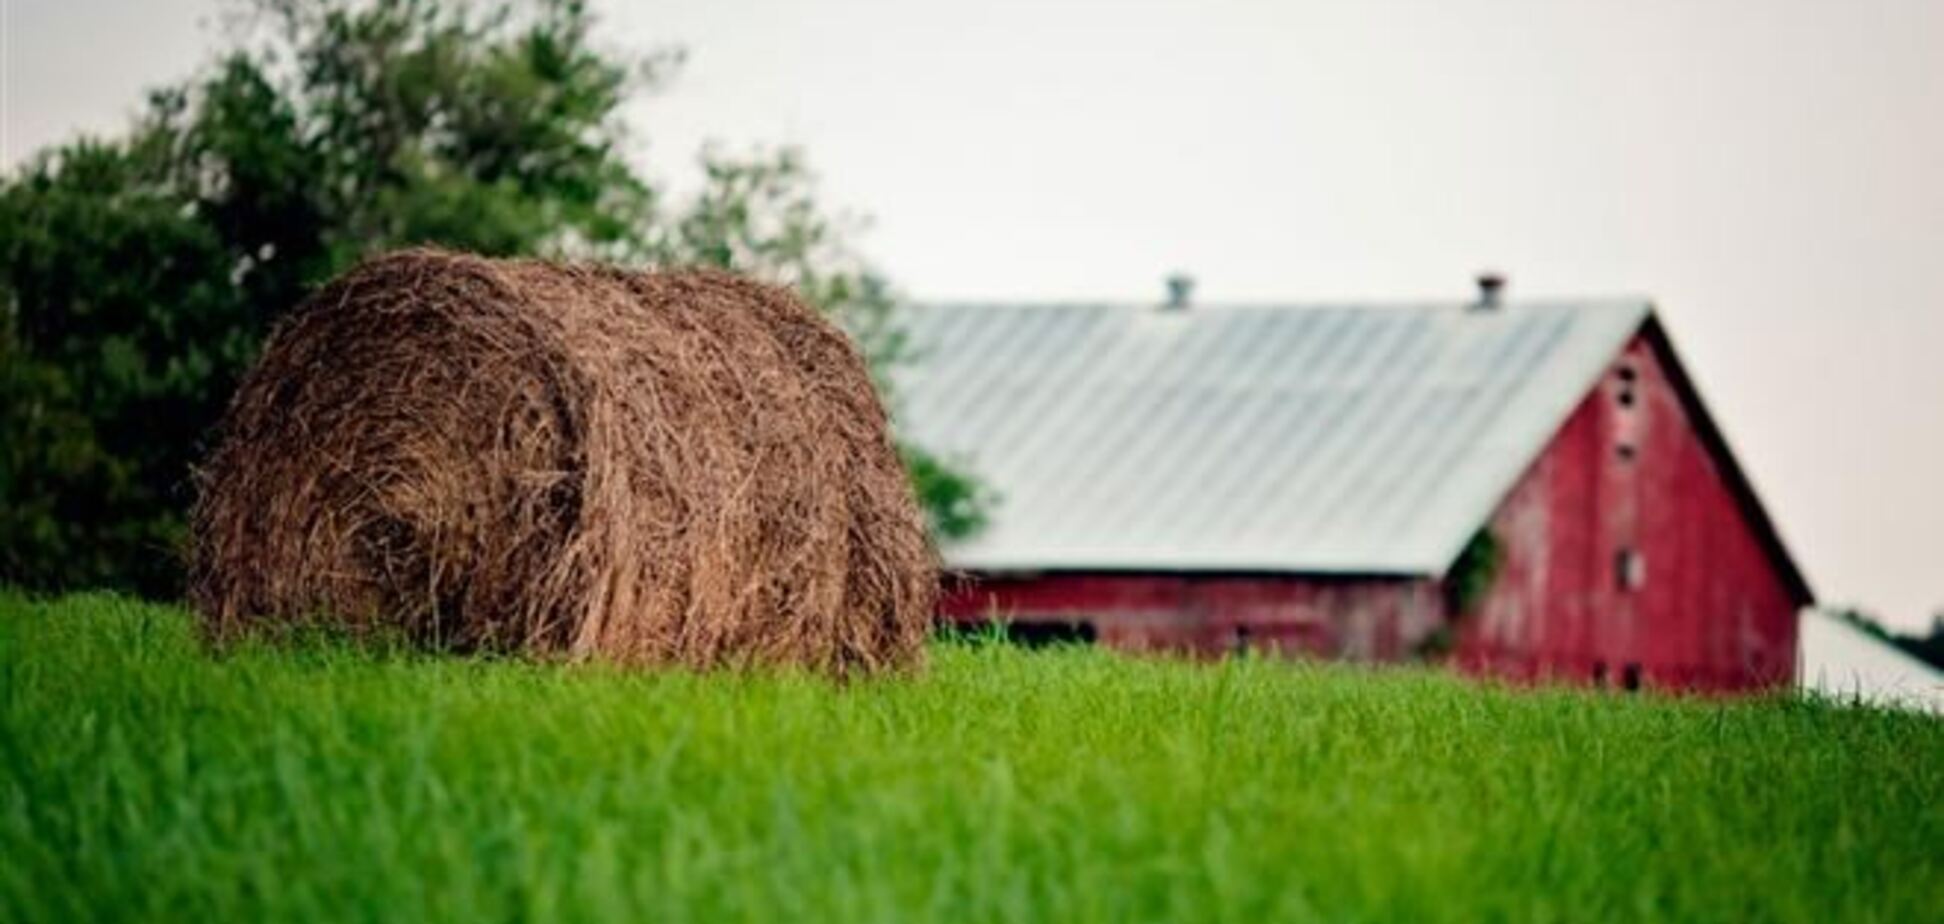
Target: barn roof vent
(1180, 287)
(1491, 291)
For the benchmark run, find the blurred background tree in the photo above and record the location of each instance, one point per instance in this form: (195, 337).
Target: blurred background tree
(139, 274)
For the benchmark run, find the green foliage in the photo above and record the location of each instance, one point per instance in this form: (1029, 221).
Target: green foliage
(138, 275)
(142, 779)
(1471, 576)
(1465, 586)
(955, 502)
(118, 336)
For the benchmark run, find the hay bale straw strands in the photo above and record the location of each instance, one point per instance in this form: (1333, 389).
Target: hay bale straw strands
(568, 460)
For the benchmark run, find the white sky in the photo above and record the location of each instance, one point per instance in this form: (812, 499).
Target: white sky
(1770, 171)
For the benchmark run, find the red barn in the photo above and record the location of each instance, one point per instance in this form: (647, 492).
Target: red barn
(1526, 490)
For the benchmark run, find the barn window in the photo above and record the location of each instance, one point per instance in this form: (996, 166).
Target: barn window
(1625, 393)
(1630, 677)
(1629, 569)
(1626, 451)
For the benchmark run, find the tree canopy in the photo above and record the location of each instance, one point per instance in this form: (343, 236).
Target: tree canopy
(138, 274)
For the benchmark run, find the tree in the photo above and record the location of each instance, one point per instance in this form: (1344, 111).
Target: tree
(139, 274)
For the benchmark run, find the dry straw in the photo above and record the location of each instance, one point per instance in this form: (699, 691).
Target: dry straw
(570, 461)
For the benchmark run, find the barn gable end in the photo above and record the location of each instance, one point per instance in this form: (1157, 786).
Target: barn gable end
(1634, 552)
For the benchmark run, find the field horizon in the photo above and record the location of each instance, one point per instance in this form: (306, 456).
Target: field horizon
(145, 778)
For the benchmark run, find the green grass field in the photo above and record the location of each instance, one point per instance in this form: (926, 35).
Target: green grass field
(143, 779)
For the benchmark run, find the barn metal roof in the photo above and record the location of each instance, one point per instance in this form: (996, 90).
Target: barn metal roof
(1366, 440)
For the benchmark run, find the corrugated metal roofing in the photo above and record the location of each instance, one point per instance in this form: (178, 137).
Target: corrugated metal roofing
(1370, 440)
(1840, 660)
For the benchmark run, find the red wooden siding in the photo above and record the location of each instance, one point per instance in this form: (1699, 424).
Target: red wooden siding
(1358, 619)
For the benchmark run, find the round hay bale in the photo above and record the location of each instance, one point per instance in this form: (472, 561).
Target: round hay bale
(568, 461)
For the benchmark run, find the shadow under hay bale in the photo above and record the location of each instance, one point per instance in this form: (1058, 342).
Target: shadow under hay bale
(568, 461)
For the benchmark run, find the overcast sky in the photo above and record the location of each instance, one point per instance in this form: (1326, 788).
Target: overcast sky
(1771, 172)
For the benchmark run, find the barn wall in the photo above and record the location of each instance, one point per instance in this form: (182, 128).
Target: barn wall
(1356, 619)
(1702, 604)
